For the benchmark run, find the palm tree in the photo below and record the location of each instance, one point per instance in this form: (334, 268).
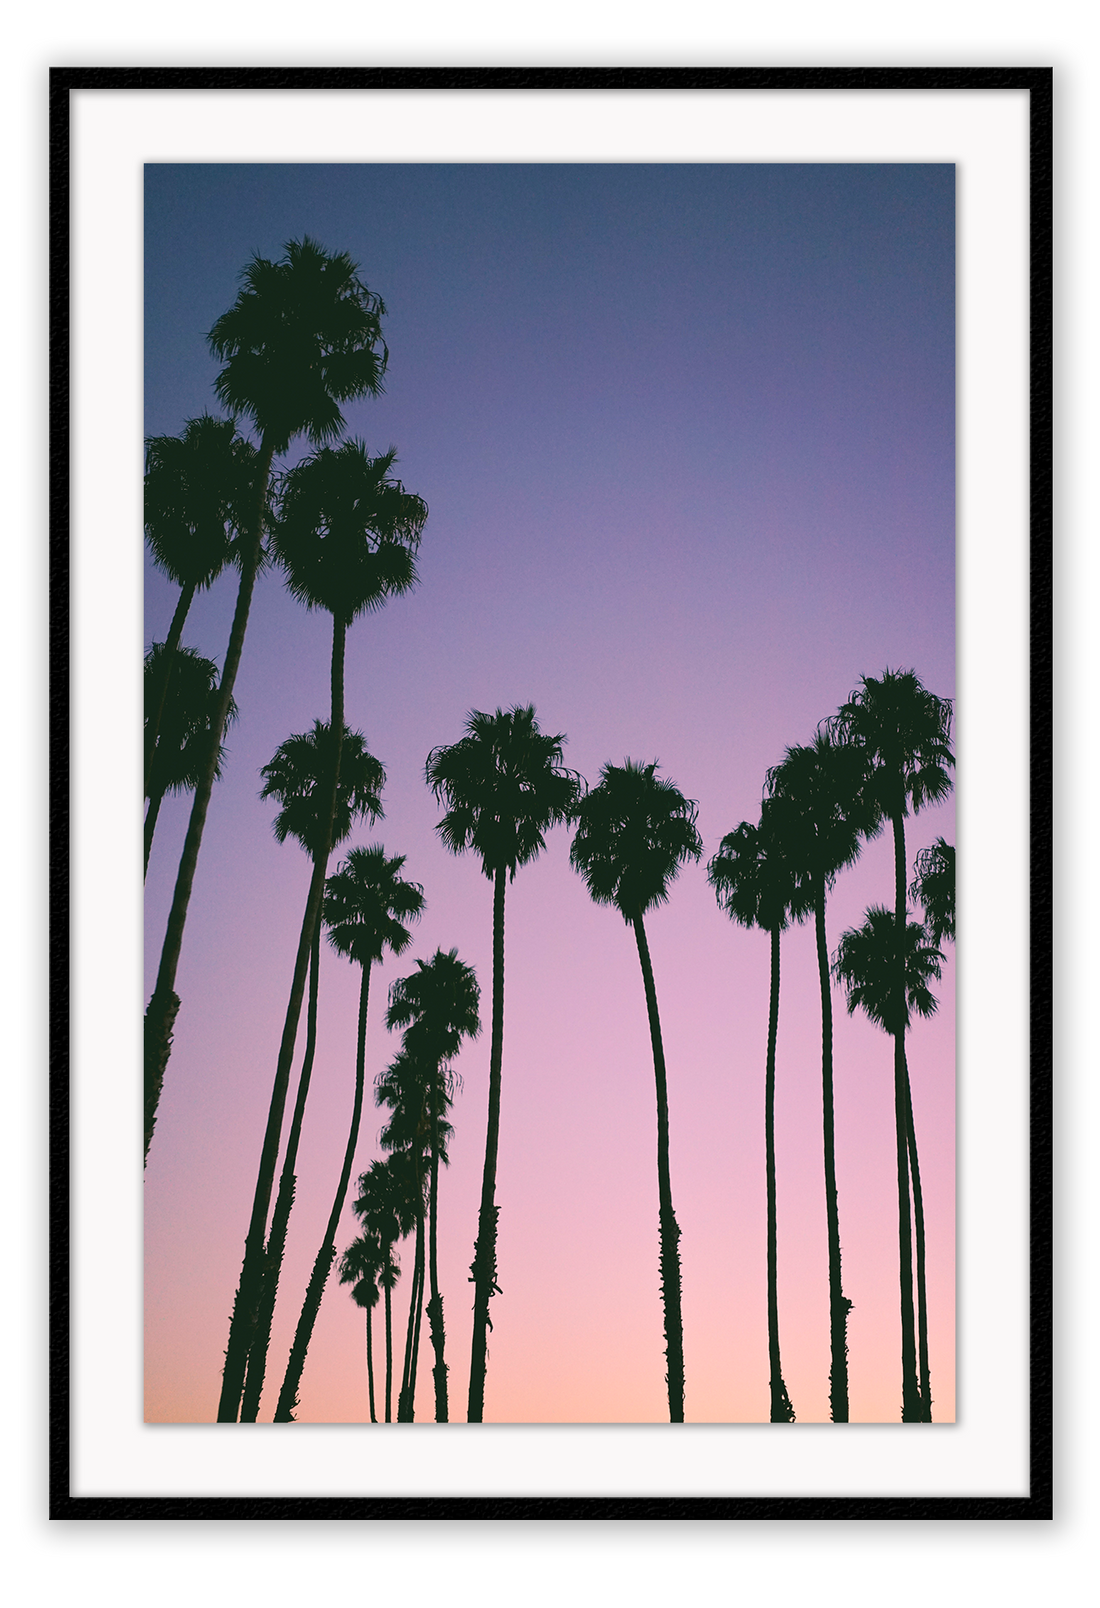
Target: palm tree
(384, 1208)
(346, 539)
(367, 903)
(754, 884)
(403, 1087)
(199, 492)
(361, 1267)
(504, 786)
(819, 786)
(934, 887)
(438, 1007)
(634, 832)
(175, 755)
(303, 335)
(866, 963)
(903, 733)
(298, 777)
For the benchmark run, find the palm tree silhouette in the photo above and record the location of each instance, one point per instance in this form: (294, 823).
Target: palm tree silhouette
(934, 887)
(346, 537)
(866, 963)
(303, 335)
(298, 777)
(367, 903)
(504, 786)
(361, 1267)
(403, 1088)
(438, 1007)
(756, 887)
(181, 689)
(819, 786)
(199, 495)
(903, 733)
(634, 831)
(385, 1209)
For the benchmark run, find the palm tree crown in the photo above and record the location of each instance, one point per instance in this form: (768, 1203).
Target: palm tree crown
(347, 533)
(825, 813)
(504, 786)
(866, 963)
(367, 903)
(189, 708)
(934, 886)
(904, 731)
(437, 1005)
(303, 335)
(299, 775)
(752, 875)
(634, 831)
(200, 494)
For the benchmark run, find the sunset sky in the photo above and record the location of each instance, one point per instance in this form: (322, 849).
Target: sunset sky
(686, 435)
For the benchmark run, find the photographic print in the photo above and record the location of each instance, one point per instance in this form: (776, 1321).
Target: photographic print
(560, 632)
(557, 1074)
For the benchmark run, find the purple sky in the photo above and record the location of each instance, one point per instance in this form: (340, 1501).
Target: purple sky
(687, 439)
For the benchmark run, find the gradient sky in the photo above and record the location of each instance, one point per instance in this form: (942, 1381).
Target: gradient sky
(718, 491)
(686, 434)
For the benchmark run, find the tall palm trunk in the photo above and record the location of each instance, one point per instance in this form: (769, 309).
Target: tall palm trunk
(175, 632)
(910, 1390)
(406, 1401)
(246, 1302)
(435, 1303)
(370, 1367)
(484, 1266)
(669, 1228)
(284, 1201)
(288, 1395)
(156, 799)
(781, 1410)
(922, 1300)
(388, 1287)
(839, 1305)
(160, 1014)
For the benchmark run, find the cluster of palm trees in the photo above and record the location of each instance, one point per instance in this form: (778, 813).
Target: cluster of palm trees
(304, 336)
(886, 752)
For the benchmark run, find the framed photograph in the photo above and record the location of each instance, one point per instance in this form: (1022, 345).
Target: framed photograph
(718, 399)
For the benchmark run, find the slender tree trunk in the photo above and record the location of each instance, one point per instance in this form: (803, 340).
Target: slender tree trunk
(288, 1395)
(284, 1201)
(406, 1401)
(410, 1404)
(781, 1410)
(839, 1305)
(922, 1294)
(151, 814)
(435, 1304)
(242, 1323)
(175, 632)
(669, 1228)
(370, 1367)
(910, 1390)
(389, 1351)
(160, 1014)
(483, 1269)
